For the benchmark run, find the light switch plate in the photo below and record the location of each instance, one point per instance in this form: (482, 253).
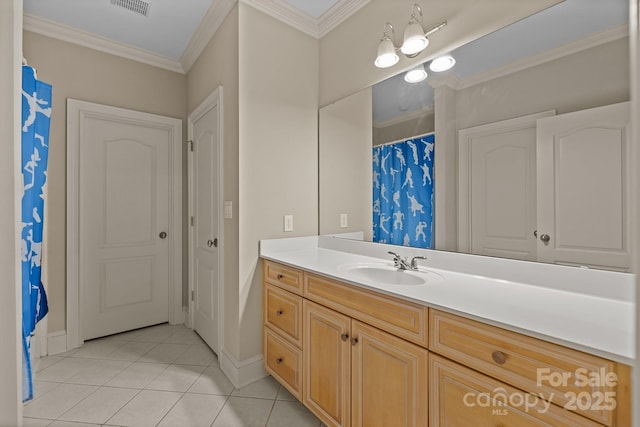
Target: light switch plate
(288, 223)
(344, 220)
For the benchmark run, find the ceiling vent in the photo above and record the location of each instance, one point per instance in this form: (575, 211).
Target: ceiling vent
(138, 6)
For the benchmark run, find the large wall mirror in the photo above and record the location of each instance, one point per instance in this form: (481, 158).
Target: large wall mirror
(531, 130)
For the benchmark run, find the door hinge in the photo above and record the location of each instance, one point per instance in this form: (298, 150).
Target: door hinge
(190, 145)
(193, 221)
(192, 296)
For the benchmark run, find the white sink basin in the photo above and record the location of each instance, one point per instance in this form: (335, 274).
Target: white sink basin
(383, 274)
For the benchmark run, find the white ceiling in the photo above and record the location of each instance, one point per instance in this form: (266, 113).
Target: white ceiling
(174, 32)
(313, 8)
(166, 30)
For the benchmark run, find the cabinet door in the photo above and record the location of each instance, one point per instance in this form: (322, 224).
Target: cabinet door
(389, 384)
(327, 364)
(459, 396)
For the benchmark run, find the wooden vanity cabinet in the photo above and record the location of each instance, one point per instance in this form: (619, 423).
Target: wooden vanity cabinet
(575, 382)
(352, 373)
(359, 358)
(357, 375)
(460, 396)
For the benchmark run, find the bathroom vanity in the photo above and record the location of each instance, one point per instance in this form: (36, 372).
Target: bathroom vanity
(360, 343)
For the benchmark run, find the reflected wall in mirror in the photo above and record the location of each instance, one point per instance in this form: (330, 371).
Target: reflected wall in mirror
(561, 64)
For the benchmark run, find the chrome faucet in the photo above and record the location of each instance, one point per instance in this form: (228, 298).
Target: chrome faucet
(414, 261)
(402, 264)
(399, 262)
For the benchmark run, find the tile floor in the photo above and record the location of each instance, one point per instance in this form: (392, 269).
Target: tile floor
(161, 376)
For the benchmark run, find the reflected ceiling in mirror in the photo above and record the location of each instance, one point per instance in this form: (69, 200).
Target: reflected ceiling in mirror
(537, 38)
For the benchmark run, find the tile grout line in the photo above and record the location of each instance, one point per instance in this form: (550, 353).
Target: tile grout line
(221, 409)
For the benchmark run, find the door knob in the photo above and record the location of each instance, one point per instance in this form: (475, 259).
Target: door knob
(545, 238)
(213, 242)
(162, 235)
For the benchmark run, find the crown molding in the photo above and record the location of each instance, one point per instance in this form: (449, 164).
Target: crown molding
(417, 114)
(316, 28)
(588, 42)
(213, 19)
(446, 79)
(338, 13)
(68, 34)
(286, 13)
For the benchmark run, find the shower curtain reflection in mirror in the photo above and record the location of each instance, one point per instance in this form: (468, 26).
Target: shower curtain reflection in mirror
(403, 192)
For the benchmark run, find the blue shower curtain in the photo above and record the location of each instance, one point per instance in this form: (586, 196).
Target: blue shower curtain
(36, 118)
(403, 192)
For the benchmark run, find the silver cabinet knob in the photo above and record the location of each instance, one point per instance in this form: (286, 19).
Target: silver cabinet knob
(213, 242)
(545, 238)
(209, 242)
(162, 235)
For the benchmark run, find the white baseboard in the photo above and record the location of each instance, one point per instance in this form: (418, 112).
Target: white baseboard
(56, 342)
(241, 373)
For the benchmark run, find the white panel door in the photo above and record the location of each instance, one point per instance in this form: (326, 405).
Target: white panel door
(124, 221)
(205, 205)
(583, 186)
(498, 188)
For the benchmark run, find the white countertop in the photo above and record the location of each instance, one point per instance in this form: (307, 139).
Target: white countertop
(588, 310)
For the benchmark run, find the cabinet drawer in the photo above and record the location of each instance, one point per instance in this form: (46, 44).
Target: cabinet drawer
(288, 278)
(460, 396)
(558, 373)
(283, 361)
(283, 313)
(404, 319)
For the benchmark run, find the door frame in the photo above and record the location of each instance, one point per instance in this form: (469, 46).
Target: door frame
(214, 99)
(76, 111)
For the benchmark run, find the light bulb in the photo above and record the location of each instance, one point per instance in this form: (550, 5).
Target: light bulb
(414, 39)
(415, 75)
(442, 63)
(387, 55)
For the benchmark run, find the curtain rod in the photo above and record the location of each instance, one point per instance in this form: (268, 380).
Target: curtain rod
(405, 139)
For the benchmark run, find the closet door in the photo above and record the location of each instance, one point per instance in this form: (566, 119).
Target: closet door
(583, 188)
(497, 203)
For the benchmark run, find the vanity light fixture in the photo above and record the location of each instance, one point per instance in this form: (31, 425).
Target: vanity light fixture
(387, 55)
(415, 40)
(442, 63)
(415, 75)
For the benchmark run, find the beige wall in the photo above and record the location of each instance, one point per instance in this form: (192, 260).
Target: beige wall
(575, 82)
(405, 129)
(278, 150)
(217, 66)
(88, 75)
(269, 75)
(347, 53)
(345, 165)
